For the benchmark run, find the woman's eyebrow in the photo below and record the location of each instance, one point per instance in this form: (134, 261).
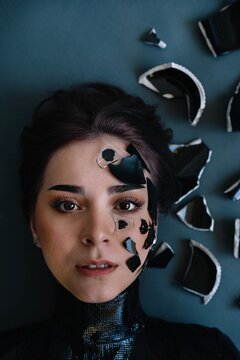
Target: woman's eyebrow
(68, 188)
(122, 188)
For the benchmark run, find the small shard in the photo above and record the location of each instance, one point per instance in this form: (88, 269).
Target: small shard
(133, 151)
(234, 191)
(203, 274)
(122, 224)
(152, 200)
(151, 39)
(171, 81)
(190, 161)
(236, 249)
(129, 170)
(133, 263)
(144, 227)
(130, 246)
(109, 155)
(150, 238)
(222, 30)
(161, 256)
(233, 111)
(196, 215)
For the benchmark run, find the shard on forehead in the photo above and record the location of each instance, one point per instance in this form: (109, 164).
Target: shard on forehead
(133, 263)
(236, 248)
(130, 246)
(196, 215)
(152, 200)
(222, 29)
(233, 111)
(190, 160)
(151, 38)
(133, 151)
(129, 170)
(203, 274)
(151, 237)
(161, 256)
(234, 191)
(172, 81)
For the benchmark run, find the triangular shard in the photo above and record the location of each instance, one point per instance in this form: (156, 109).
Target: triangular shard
(203, 274)
(222, 30)
(171, 81)
(151, 38)
(234, 191)
(233, 111)
(196, 215)
(161, 256)
(190, 161)
(236, 249)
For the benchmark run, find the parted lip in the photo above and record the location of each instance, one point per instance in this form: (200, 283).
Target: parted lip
(97, 263)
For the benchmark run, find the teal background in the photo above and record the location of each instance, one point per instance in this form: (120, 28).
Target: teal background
(46, 45)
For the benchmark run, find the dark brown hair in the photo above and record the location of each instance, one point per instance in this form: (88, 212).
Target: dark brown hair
(84, 112)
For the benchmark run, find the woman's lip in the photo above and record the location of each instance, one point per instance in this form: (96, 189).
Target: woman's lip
(97, 263)
(96, 271)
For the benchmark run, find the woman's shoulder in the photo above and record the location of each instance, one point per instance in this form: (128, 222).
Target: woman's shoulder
(191, 340)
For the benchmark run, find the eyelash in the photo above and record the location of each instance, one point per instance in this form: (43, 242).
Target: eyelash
(59, 201)
(136, 202)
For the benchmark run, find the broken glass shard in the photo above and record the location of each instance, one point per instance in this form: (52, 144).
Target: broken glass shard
(234, 191)
(129, 170)
(151, 39)
(133, 151)
(190, 161)
(144, 227)
(203, 274)
(133, 263)
(171, 81)
(161, 256)
(196, 215)
(236, 249)
(222, 30)
(150, 237)
(130, 246)
(233, 111)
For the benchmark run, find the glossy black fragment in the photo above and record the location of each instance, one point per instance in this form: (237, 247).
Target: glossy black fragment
(152, 200)
(161, 256)
(133, 151)
(234, 191)
(130, 246)
(222, 30)
(122, 224)
(233, 111)
(143, 227)
(133, 263)
(108, 154)
(150, 238)
(152, 39)
(129, 170)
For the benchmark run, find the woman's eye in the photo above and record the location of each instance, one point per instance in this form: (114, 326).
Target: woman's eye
(126, 206)
(65, 206)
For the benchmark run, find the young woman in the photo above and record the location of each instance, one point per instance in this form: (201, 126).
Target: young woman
(95, 171)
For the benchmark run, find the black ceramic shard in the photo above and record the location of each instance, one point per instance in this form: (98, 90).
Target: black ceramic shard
(171, 81)
(190, 161)
(161, 256)
(151, 38)
(236, 249)
(150, 237)
(222, 30)
(195, 214)
(144, 227)
(203, 274)
(133, 151)
(129, 170)
(130, 246)
(133, 263)
(234, 191)
(152, 200)
(122, 224)
(108, 154)
(233, 111)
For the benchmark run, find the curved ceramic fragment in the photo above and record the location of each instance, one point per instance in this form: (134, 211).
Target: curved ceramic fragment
(172, 80)
(233, 111)
(203, 274)
(234, 191)
(222, 30)
(190, 161)
(151, 39)
(161, 256)
(196, 215)
(236, 249)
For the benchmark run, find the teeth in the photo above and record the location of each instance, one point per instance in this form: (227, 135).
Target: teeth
(100, 266)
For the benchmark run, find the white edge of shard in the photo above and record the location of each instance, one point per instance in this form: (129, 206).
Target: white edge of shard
(228, 114)
(160, 43)
(191, 226)
(236, 239)
(144, 81)
(164, 246)
(209, 44)
(208, 297)
(233, 186)
(198, 141)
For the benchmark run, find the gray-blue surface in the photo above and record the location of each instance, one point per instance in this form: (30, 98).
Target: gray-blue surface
(47, 44)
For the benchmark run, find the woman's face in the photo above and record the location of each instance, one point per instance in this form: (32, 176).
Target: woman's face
(90, 225)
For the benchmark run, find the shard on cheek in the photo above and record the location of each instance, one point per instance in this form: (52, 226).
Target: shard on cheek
(150, 238)
(152, 200)
(151, 38)
(190, 161)
(133, 263)
(129, 170)
(236, 249)
(122, 224)
(233, 111)
(130, 246)
(203, 274)
(221, 30)
(161, 256)
(234, 191)
(144, 226)
(196, 215)
(171, 81)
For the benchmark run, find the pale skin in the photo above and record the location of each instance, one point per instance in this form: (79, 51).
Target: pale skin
(75, 226)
